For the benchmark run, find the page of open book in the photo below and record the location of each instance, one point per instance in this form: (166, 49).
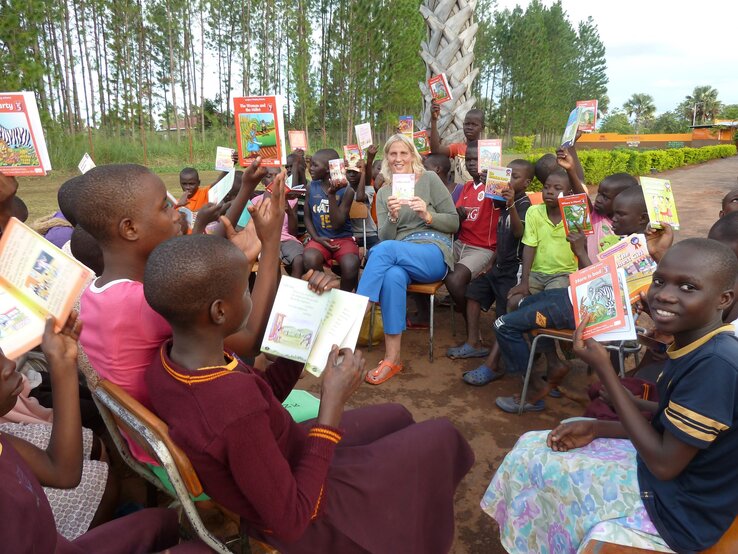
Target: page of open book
(341, 326)
(21, 326)
(40, 271)
(295, 320)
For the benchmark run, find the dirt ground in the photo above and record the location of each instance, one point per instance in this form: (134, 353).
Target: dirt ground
(435, 389)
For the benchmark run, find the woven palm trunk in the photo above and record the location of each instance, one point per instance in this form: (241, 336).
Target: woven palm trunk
(449, 49)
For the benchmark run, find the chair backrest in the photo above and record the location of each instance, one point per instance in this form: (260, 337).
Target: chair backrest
(152, 434)
(149, 432)
(358, 210)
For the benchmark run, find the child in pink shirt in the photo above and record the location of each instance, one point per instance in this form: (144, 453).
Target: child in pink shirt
(290, 248)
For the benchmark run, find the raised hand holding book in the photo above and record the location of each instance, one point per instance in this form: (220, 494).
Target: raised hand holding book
(498, 179)
(575, 213)
(660, 202)
(223, 158)
(570, 133)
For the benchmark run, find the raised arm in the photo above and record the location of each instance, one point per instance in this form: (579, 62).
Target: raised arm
(435, 139)
(60, 465)
(339, 211)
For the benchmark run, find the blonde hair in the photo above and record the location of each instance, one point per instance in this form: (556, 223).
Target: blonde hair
(47, 222)
(417, 161)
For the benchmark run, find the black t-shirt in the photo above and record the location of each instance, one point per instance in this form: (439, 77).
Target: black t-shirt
(698, 405)
(510, 249)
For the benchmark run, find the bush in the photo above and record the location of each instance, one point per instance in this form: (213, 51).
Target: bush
(523, 145)
(598, 164)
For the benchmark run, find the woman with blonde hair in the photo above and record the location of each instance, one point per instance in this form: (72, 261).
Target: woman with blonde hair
(416, 237)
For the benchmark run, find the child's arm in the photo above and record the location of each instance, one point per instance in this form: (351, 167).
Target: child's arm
(529, 254)
(361, 186)
(577, 164)
(8, 188)
(565, 160)
(371, 154)
(339, 212)
(658, 241)
(516, 224)
(268, 217)
(309, 227)
(576, 434)
(298, 168)
(435, 139)
(291, 214)
(60, 465)
(664, 454)
(578, 244)
(252, 176)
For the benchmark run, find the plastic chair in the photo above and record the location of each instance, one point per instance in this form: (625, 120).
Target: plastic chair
(567, 335)
(152, 434)
(431, 289)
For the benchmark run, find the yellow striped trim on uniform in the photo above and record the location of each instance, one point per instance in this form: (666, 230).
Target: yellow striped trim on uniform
(694, 424)
(674, 353)
(317, 504)
(195, 379)
(322, 433)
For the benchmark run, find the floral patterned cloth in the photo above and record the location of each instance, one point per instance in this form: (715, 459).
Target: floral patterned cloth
(550, 502)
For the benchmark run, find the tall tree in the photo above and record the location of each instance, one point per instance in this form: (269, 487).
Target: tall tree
(702, 105)
(640, 108)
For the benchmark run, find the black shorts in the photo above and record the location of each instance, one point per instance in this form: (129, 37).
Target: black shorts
(492, 286)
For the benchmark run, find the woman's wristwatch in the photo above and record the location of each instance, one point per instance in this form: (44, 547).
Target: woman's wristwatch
(391, 219)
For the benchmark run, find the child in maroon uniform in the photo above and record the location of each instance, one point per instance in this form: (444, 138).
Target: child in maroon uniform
(370, 480)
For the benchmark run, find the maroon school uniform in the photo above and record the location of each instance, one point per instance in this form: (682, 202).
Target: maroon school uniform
(28, 524)
(380, 484)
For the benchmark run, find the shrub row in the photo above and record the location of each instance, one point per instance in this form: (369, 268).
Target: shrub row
(598, 164)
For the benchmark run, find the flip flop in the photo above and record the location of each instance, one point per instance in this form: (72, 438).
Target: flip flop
(481, 376)
(511, 406)
(466, 350)
(554, 392)
(411, 325)
(373, 376)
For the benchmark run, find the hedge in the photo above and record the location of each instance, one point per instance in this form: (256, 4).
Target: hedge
(598, 164)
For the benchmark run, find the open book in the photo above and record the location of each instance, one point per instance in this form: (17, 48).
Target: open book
(37, 279)
(303, 326)
(22, 145)
(260, 130)
(600, 290)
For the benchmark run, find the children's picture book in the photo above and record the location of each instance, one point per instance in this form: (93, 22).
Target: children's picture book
(403, 186)
(407, 126)
(422, 142)
(660, 202)
(440, 89)
(490, 154)
(303, 326)
(260, 130)
(575, 212)
(85, 164)
(498, 180)
(364, 136)
(587, 115)
(570, 133)
(37, 280)
(628, 331)
(352, 154)
(298, 140)
(22, 144)
(596, 291)
(219, 190)
(223, 158)
(297, 188)
(631, 255)
(337, 170)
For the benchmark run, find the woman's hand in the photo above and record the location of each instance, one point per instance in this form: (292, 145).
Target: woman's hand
(393, 206)
(418, 205)
(571, 435)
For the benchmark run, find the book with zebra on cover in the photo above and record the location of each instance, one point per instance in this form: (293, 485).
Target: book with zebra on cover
(22, 145)
(600, 291)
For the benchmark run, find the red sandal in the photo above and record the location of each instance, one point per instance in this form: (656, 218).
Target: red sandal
(373, 377)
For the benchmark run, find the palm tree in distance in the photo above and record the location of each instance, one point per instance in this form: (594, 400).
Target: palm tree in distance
(702, 105)
(640, 107)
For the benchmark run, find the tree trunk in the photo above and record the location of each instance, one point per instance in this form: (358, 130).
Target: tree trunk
(172, 84)
(449, 49)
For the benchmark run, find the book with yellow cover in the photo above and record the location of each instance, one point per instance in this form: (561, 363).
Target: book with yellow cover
(660, 202)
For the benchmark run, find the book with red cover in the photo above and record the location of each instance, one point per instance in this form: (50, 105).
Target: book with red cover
(352, 154)
(422, 142)
(587, 115)
(260, 130)
(575, 211)
(596, 290)
(22, 145)
(298, 140)
(440, 89)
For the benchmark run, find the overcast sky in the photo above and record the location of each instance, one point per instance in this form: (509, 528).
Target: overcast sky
(661, 47)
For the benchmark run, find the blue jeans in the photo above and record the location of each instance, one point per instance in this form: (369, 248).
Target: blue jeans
(391, 267)
(550, 309)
